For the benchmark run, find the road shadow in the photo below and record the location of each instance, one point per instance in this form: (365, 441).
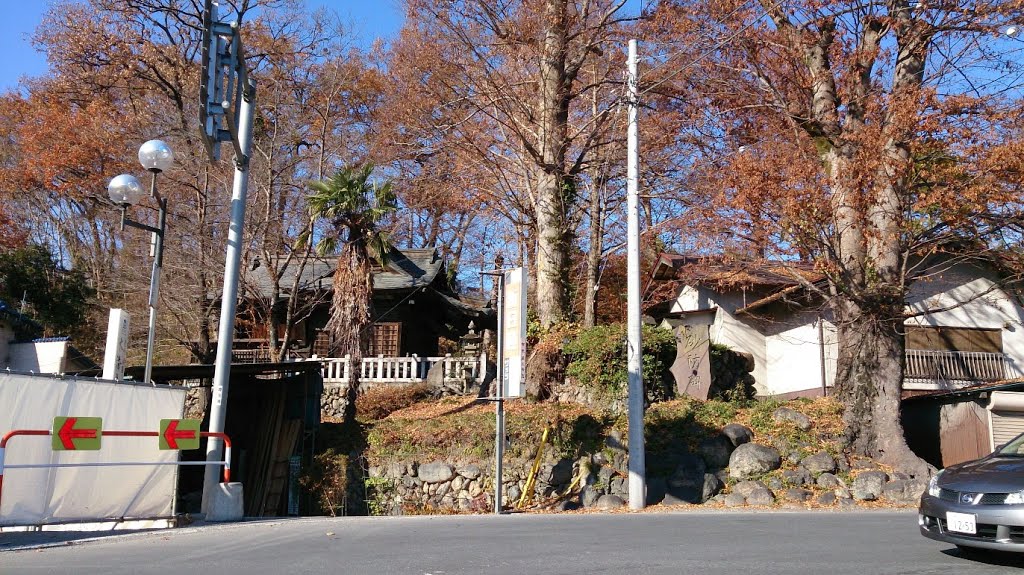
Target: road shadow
(987, 556)
(25, 540)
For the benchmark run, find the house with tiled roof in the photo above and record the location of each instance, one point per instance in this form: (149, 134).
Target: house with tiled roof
(964, 326)
(23, 349)
(414, 300)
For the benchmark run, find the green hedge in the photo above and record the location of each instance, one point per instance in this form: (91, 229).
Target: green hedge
(597, 359)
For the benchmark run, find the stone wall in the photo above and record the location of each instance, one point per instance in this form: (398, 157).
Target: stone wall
(333, 401)
(730, 468)
(444, 486)
(196, 401)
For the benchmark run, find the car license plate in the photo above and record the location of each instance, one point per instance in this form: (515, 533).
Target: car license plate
(961, 523)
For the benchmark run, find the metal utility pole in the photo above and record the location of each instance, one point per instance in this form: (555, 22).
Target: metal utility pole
(154, 281)
(499, 402)
(637, 459)
(229, 299)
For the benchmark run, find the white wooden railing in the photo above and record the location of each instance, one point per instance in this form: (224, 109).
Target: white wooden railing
(382, 370)
(927, 369)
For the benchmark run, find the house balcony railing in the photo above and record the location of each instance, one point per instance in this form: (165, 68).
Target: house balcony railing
(383, 370)
(928, 369)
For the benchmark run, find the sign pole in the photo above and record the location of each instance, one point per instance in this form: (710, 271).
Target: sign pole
(637, 460)
(229, 299)
(499, 404)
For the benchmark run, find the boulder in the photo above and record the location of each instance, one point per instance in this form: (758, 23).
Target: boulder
(512, 494)
(796, 494)
(619, 487)
(609, 502)
(745, 488)
(735, 500)
(798, 476)
(751, 459)
(712, 486)
(868, 485)
(672, 499)
(435, 472)
(657, 488)
(820, 462)
(566, 505)
(904, 491)
(829, 481)
(785, 414)
(716, 451)
(615, 441)
(827, 498)
(589, 496)
(738, 434)
(689, 472)
(469, 471)
(558, 474)
(395, 470)
(761, 497)
(776, 483)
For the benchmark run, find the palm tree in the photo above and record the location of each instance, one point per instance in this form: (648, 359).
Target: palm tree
(354, 207)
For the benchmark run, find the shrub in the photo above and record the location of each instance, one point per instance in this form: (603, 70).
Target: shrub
(327, 480)
(597, 359)
(378, 403)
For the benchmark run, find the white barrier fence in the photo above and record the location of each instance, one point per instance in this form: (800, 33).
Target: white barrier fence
(382, 370)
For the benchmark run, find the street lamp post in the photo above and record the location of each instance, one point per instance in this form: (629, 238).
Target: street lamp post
(124, 190)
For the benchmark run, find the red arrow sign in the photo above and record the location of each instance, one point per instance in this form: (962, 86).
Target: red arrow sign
(68, 434)
(172, 435)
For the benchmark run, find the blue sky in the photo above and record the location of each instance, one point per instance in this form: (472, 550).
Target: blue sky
(369, 20)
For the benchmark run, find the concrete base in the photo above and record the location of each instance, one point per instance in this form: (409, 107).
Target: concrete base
(225, 503)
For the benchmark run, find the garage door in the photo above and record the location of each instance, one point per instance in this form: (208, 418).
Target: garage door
(1007, 410)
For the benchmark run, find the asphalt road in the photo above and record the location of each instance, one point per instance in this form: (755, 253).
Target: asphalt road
(693, 542)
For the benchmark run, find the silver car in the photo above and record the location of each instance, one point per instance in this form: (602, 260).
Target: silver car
(979, 503)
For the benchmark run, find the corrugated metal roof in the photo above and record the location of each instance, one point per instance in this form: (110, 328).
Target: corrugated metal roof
(406, 269)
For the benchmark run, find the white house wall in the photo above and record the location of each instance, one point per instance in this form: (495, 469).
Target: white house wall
(996, 309)
(787, 357)
(794, 361)
(39, 357)
(727, 329)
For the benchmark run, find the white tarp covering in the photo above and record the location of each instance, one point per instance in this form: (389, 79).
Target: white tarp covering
(39, 496)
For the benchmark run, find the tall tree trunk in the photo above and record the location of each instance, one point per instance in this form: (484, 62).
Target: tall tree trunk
(594, 256)
(555, 190)
(869, 380)
(351, 314)
(871, 353)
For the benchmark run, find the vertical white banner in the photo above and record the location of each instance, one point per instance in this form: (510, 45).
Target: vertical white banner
(117, 345)
(514, 332)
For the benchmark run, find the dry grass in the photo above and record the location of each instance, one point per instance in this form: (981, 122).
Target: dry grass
(378, 403)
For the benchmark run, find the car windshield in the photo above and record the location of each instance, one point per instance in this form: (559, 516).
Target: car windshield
(1014, 447)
